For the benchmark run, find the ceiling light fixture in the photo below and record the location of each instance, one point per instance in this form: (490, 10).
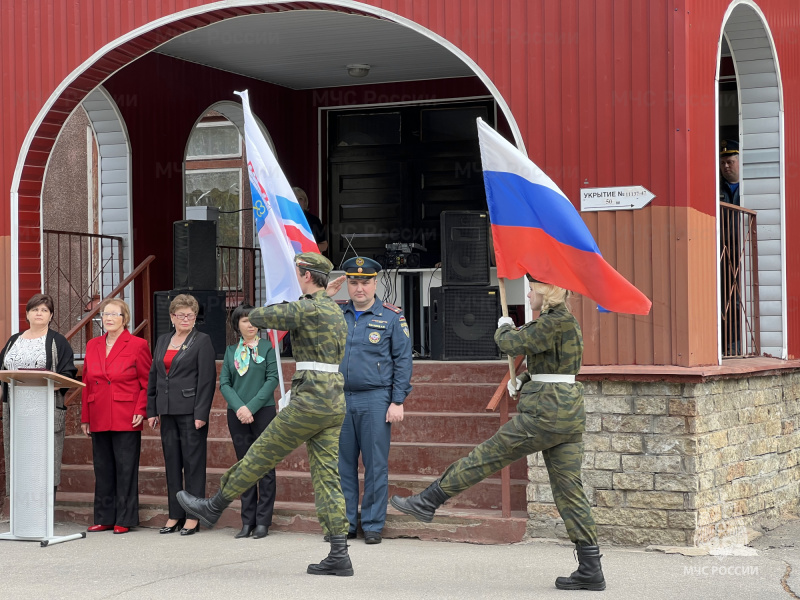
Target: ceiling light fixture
(358, 70)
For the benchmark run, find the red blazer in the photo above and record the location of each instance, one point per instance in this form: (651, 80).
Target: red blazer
(116, 385)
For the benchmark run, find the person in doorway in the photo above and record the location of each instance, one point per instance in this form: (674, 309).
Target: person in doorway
(39, 347)
(313, 416)
(377, 379)
(551, 420)
(317, 228)
(179, 394)
(116, 368)
(247, 381)
(731, 302)
(729, 172)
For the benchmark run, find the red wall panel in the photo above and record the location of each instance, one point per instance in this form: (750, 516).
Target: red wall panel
(604, 93)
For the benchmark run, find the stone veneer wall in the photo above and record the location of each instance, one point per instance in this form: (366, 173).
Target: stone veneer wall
(682, 463)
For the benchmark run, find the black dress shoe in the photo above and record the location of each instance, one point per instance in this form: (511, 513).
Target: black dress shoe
(245, 532)
(174, 528)
(372, 537)
(191, 531)
(261, 531)
(351, 535)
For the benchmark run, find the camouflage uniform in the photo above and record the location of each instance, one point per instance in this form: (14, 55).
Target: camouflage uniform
(315, 413)
(551, 419)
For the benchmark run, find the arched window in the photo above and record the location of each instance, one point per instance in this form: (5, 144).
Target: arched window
(213, 174)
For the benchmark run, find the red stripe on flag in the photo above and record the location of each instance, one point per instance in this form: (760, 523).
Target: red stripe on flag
(521, 250)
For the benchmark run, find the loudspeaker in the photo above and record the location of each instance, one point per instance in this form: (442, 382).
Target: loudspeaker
(211, 320)
(463, 321)
(465, 247)
(194, 255)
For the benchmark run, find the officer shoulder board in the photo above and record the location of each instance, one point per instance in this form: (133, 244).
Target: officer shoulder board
(391, 307)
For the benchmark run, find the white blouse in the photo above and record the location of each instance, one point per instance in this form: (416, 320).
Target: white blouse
(27, 354)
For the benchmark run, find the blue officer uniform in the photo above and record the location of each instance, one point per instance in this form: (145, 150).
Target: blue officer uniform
(377, 371)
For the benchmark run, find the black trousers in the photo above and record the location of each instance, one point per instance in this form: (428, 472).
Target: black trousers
(184, 459)
(116, 477)
(258, 502)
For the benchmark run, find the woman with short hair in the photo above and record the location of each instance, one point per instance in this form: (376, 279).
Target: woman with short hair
(180, 390)
(38, 347)
(114, 404)
(248, 380)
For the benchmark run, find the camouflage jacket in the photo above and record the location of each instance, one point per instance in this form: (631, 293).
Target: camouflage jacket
(319, 333)
(553, 344)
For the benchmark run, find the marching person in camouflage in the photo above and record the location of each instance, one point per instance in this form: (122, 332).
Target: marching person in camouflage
(551, 420)
(314, 415)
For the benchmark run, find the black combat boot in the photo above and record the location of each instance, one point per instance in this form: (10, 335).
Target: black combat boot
(337, 562)
(589, 575)
(207, 510)
(422, 506)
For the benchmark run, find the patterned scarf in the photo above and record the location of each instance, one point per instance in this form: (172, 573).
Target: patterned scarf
(241, 357)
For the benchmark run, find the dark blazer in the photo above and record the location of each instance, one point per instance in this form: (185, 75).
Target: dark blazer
(189, 387)
(116, 385)
(55, 343)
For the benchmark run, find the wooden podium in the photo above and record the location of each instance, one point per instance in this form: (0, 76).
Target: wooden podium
(32, 446)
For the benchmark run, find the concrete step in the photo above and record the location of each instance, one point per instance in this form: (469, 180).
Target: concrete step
(419, 458)
(452, 525)
(436, 397)
(462, 427)
(295, 486)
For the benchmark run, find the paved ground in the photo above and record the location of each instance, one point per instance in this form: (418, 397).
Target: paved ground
(211, 564)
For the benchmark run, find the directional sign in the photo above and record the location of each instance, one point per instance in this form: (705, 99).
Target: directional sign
(615, 198)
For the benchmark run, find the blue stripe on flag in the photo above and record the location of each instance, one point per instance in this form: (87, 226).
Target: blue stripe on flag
(291, 211)
(517, 202)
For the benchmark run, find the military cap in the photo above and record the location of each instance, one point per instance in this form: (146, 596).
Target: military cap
(360, 266)
(728, 147)
(311, 261)
(531, 279)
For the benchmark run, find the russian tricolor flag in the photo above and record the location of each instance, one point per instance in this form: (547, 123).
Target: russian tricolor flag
(537, 230)
(282, 228)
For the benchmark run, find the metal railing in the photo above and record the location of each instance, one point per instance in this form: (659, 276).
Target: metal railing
(78, 268)
(739, 297)
(86, 324)
(241, 276)
(85, 329)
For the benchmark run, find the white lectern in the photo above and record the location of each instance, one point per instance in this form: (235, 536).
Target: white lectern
(31, 462)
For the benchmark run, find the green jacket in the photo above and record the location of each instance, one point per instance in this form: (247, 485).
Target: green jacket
(553, 344)
(319, 333)
(256, 388)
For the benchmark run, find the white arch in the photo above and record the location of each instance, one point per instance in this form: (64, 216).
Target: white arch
(114, 175)
(351, 4)
(761, 138)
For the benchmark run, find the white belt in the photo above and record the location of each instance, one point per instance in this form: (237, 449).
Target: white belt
(553, 378)
(318, 366)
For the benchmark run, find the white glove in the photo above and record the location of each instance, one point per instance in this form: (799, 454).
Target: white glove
(505, 321)
(513, 387)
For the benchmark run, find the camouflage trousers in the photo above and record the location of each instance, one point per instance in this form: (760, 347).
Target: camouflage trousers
(290, 428)
(563, 455)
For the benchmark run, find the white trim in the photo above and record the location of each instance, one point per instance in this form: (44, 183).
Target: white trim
(14, 258)
(131, 298)
(782, 158)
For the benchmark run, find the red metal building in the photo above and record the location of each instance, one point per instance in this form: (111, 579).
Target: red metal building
(598, 93)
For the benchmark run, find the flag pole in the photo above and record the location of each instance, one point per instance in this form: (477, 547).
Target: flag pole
(274, 339)
(504, 305)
